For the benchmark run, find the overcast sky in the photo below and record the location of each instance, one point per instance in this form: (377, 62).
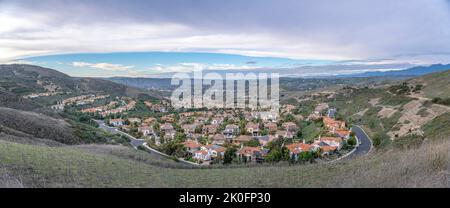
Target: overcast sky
(397, 32)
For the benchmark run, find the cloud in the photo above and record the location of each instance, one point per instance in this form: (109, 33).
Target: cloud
(410, 30)
(191, 67)
(103, 66)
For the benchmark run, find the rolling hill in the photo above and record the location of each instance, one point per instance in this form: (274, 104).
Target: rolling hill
(18, 80)
(435, 84)
(32, 121)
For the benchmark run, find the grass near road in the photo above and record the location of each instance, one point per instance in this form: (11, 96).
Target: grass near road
(82, 166)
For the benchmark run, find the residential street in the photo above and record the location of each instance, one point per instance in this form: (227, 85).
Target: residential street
(365, 143)
(134, 142)
(137, 142)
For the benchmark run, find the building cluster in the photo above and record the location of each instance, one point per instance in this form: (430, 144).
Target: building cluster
(78, 100)
(207, 134)
(122, 105)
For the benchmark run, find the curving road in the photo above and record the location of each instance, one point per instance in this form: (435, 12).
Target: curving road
(135, 142)
(365, 143)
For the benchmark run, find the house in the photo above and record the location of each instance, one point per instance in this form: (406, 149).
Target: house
(272, 127)
(250, 154)
(168, 131)
(332, 141)
(168, 119)
(343, 134)
(196, 136)
(159, 108)
(210, 129)
(202, 155)
(233, 119)
(134, 120)
(266, 116)
(242, 139)
(201, 120)
(332, 113)
(252, 128)
(230, 131)
(299, 117)
(217, 120)
(284, 134)
(218, 139)
(186, 114)
(169, 135)
(263, 140)
(290, 127)
(116, 122)
(215, 150)
(189, 129)
(146, 130)
(192, 146)
(296, 148)
(148, 104)
(150, 121)
(333, 125)
(289, 108)
(314, 117)
(320, 108)
(166, 127)
(325, 149)
(206, 153)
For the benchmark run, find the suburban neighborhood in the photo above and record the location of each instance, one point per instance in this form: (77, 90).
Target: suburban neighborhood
(213, 136)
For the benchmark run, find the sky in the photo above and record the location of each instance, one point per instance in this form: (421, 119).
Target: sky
(146, 37)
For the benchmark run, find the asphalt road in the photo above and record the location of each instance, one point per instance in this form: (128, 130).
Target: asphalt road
(365, 143)
(137, 142)
(133, 141)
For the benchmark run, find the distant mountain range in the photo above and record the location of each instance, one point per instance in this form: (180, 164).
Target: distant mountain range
(411, 72)
(288, 78)
(329, 71)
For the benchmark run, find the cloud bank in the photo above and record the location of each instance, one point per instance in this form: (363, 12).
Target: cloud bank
(401, 31)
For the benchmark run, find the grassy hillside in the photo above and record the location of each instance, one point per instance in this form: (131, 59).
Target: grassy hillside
(12, 100)
(34, 117)
(18, 80)
(33, 128)
(435, 84)
(35, 166)
(38, 125)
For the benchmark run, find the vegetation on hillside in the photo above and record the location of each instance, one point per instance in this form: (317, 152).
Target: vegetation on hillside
(427, 166)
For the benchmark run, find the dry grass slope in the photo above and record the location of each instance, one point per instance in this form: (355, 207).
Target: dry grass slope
(35, 166)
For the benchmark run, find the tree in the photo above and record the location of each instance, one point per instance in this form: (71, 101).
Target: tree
(203, 140)
(278, 154)
(242, 125)
(174, 148)
(377, 140)
(229, 155)
(180, 137)
(351, 141)
(299, 134)
(289, 118)
(264, 132)
(306, 156)
(252, 143)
